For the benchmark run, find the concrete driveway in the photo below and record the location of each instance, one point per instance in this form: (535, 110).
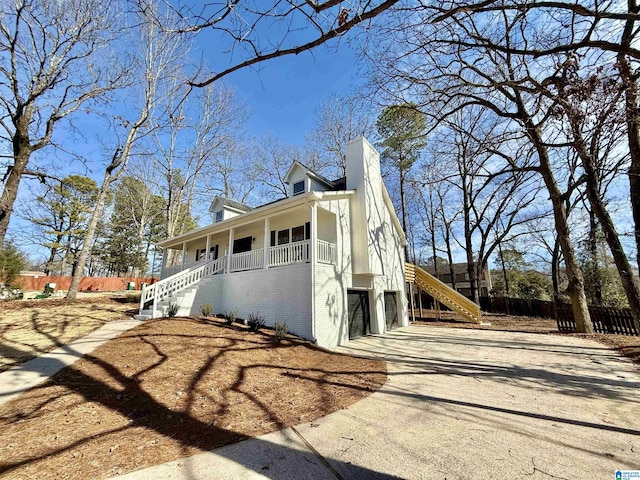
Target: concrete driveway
(458, 404)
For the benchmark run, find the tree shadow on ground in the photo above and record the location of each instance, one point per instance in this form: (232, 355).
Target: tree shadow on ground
(185, 408)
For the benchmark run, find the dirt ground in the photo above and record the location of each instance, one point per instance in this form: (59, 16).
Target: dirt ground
(509, 323)
(625, 345)
(172, 388)
(29, 328)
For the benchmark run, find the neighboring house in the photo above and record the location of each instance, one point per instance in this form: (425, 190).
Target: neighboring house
(328, 260)
(461, 276)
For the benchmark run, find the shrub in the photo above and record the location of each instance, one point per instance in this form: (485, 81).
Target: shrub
(232, 317)
(280, 331)
(11, 262)
(172, 310)
(206, 309)
(133, 298)
(255, 322)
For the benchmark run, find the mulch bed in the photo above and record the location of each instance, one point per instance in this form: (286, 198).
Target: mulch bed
(173, 388)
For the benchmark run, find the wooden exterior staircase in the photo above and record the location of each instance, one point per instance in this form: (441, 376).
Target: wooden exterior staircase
(443, 293)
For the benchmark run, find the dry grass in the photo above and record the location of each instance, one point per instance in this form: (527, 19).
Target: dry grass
(172, 388)
(31, 328)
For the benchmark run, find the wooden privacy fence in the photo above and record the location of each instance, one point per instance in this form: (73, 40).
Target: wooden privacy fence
(87, 284)
(604, 319)
(518, 306)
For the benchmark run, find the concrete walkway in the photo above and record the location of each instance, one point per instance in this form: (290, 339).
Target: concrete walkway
(25, 376)
(458, 404)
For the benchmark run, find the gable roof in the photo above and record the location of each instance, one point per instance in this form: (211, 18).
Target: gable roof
(227, 202)
(312, 173)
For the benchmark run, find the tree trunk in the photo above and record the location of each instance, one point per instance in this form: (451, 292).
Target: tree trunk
(633, 123)
(555, 271)
(629, 281)
(91, 230)
(447, 241)
(504, 272)
(468, 240)
(404, 213)
(52, 258)
(575, 287)
(593, 259)
(22, 153)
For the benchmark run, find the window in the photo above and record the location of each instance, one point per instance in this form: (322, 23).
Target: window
(283, 237)
(297, 234)
(242, 245)
(200, 254)
(219, 216)
(298, 187)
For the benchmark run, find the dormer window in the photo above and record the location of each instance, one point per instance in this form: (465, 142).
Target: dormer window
(219, 216)
(298, 187)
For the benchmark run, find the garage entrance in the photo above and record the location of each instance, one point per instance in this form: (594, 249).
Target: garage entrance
(391, 310)
(358, 309)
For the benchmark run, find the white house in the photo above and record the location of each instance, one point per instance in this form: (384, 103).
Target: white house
(328, 260)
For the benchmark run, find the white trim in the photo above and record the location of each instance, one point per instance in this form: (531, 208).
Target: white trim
(230, 249)
(266, 242)
(314, 248)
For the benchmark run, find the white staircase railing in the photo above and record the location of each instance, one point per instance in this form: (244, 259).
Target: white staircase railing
(178, 282)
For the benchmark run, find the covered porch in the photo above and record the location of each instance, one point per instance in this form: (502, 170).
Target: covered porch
(303, 234)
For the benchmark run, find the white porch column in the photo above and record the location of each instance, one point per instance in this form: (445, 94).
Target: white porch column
(267, 244)
(230, 250)
(312, 257)
(313, 253)
(206, 251)
(184, 253)
(163, 265)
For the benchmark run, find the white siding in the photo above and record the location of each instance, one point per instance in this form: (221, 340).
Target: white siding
(377, 247)
(331, 306)
(282, 294)
(331, 281)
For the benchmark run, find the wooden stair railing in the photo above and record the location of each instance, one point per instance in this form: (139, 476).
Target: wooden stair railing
(443, 292)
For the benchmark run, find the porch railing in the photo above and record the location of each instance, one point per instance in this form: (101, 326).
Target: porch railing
(247, 260)
(326, 252)
(295, 252)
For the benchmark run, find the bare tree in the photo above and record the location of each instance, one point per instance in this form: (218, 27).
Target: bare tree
(496, 202)
(199, 130)
(450, 67)
(154, 62)
(608, 28)
(338, 120)
(260, 31)
(272, 160)
(52, 63)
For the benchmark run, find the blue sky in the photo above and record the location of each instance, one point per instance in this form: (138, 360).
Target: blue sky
(284, 93)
